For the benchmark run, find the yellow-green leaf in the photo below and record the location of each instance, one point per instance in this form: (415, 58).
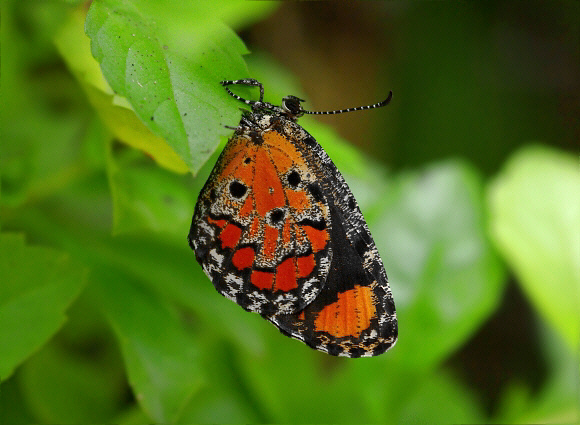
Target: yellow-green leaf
(535, 222)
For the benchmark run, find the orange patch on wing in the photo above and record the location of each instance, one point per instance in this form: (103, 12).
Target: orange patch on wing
(244, 172)
(230, 236)
(243, 258)
(286, 276)
(301, 237)
(236, 145)
(298, 199)
(270, 241)
(291, 154)
(234, 155)
(305, 265)
(348, 316)
(262, 280)
(268, 191)
(219, 223)
(247, 208)
(254, 229)
(318, 238)
(287, 236)
(281, 159)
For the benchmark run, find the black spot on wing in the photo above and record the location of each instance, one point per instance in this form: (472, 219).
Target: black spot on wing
(352, 204)
(360, 246)
(310, 141)
(237, 189)
(314, 189)
(276, 215)
(334, 349)
(294, 178)
(318, 225)
(356, 352)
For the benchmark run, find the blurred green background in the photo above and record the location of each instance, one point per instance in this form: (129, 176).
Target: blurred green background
(468, 180)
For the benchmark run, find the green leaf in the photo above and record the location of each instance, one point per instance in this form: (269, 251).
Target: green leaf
(534, 221)
(147, 197)
(226, 397)
(161, 355)
(276, 380)
(38, 285)
(82, 363)
(213, 407)
(44, 114)
(54, 376)
(445, 276)
(557, 399)
(441, 399)
(114, 111)
(167, 58)
(14, 408)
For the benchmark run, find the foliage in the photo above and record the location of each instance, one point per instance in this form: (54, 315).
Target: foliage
(106, 317)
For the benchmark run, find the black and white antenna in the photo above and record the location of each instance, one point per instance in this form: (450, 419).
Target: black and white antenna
(291, 105)
(358, 108)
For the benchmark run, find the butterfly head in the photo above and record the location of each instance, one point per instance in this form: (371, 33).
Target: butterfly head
(291, 106)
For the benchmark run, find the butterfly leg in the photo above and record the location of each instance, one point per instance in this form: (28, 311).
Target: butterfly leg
(244, 82)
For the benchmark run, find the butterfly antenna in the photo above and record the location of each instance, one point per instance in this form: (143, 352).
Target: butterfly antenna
(359, 108)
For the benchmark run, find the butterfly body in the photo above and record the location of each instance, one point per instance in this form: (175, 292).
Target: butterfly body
(278, 231)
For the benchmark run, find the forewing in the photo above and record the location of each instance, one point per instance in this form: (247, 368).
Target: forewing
(261, 227)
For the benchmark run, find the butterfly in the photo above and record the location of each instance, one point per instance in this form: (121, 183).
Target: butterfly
(278, 231)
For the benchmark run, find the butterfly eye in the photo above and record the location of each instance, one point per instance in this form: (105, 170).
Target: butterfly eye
(237, 189)
(291, 105)
(294, 178)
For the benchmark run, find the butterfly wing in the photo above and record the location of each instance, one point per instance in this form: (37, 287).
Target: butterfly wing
(261, 227)
(354, 314)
